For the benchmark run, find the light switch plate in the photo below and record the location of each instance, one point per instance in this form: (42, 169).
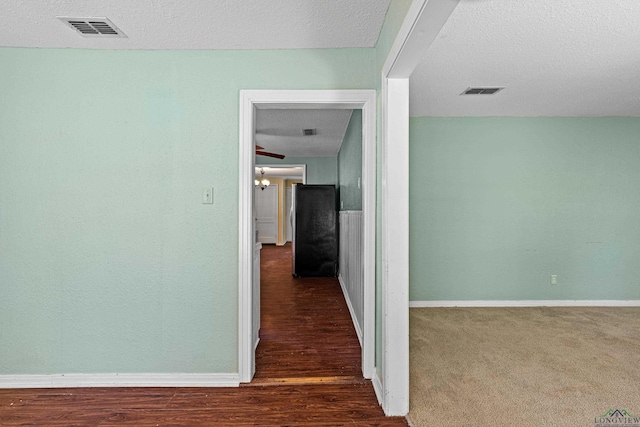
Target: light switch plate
(207, 196)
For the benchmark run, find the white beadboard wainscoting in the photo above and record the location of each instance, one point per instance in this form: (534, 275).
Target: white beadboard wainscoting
(350, 271)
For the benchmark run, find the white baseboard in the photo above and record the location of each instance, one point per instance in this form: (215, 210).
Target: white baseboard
(377, 386)
(527, 303)
(354, 319)
(119, 380)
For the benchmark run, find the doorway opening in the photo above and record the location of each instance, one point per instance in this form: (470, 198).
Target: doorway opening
(272, 208)
(250, 102)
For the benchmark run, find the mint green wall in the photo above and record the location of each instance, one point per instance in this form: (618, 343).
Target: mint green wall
(320, 170)
(350, 164)
(108, 260)
(500, 204)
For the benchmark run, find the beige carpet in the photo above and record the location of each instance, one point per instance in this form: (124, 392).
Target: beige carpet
(495, 367)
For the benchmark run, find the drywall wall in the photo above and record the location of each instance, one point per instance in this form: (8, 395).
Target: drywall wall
(350, 165)
(500, 204)
(109, 261)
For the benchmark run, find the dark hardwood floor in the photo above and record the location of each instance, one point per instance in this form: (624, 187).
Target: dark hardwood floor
(305, 325)
(307, 374)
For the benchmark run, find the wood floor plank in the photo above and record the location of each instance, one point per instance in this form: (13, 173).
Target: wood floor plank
(295, 405)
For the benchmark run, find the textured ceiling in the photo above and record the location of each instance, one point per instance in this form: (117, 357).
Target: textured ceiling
(280, 131)
(197, 24)
(555, 58)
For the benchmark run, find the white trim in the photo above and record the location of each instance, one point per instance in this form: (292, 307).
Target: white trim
(395, 247)
(246, 237)
(423, 22)
(351, 310)
(527, 303)
(250, 100)
(308, 99)
(421, 26)
(377, 386)
(119, 380)
(369, 137)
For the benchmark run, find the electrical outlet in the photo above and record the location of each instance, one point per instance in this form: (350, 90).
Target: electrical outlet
(554, 279)
(207, 196)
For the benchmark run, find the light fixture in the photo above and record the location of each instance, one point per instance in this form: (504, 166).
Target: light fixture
(263, 182)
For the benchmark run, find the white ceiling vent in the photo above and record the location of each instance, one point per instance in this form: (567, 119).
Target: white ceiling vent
(93, 27)
(481, 90)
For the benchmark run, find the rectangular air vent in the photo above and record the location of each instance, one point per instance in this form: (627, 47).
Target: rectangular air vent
(93, 27)
(481, 90)
(309, 132)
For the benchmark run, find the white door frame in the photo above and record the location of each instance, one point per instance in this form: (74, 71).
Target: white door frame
(423, 22)
(250, 100)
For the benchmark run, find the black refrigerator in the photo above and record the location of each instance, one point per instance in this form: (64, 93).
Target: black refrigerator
(314, 223)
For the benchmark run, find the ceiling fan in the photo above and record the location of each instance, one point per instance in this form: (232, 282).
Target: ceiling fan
(260, 152)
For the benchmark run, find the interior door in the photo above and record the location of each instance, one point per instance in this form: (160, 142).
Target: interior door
(266, 205)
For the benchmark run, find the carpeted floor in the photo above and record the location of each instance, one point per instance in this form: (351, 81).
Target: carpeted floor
(492, 367)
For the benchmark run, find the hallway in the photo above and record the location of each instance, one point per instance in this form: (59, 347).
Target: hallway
(307, 339)
(306, 329)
